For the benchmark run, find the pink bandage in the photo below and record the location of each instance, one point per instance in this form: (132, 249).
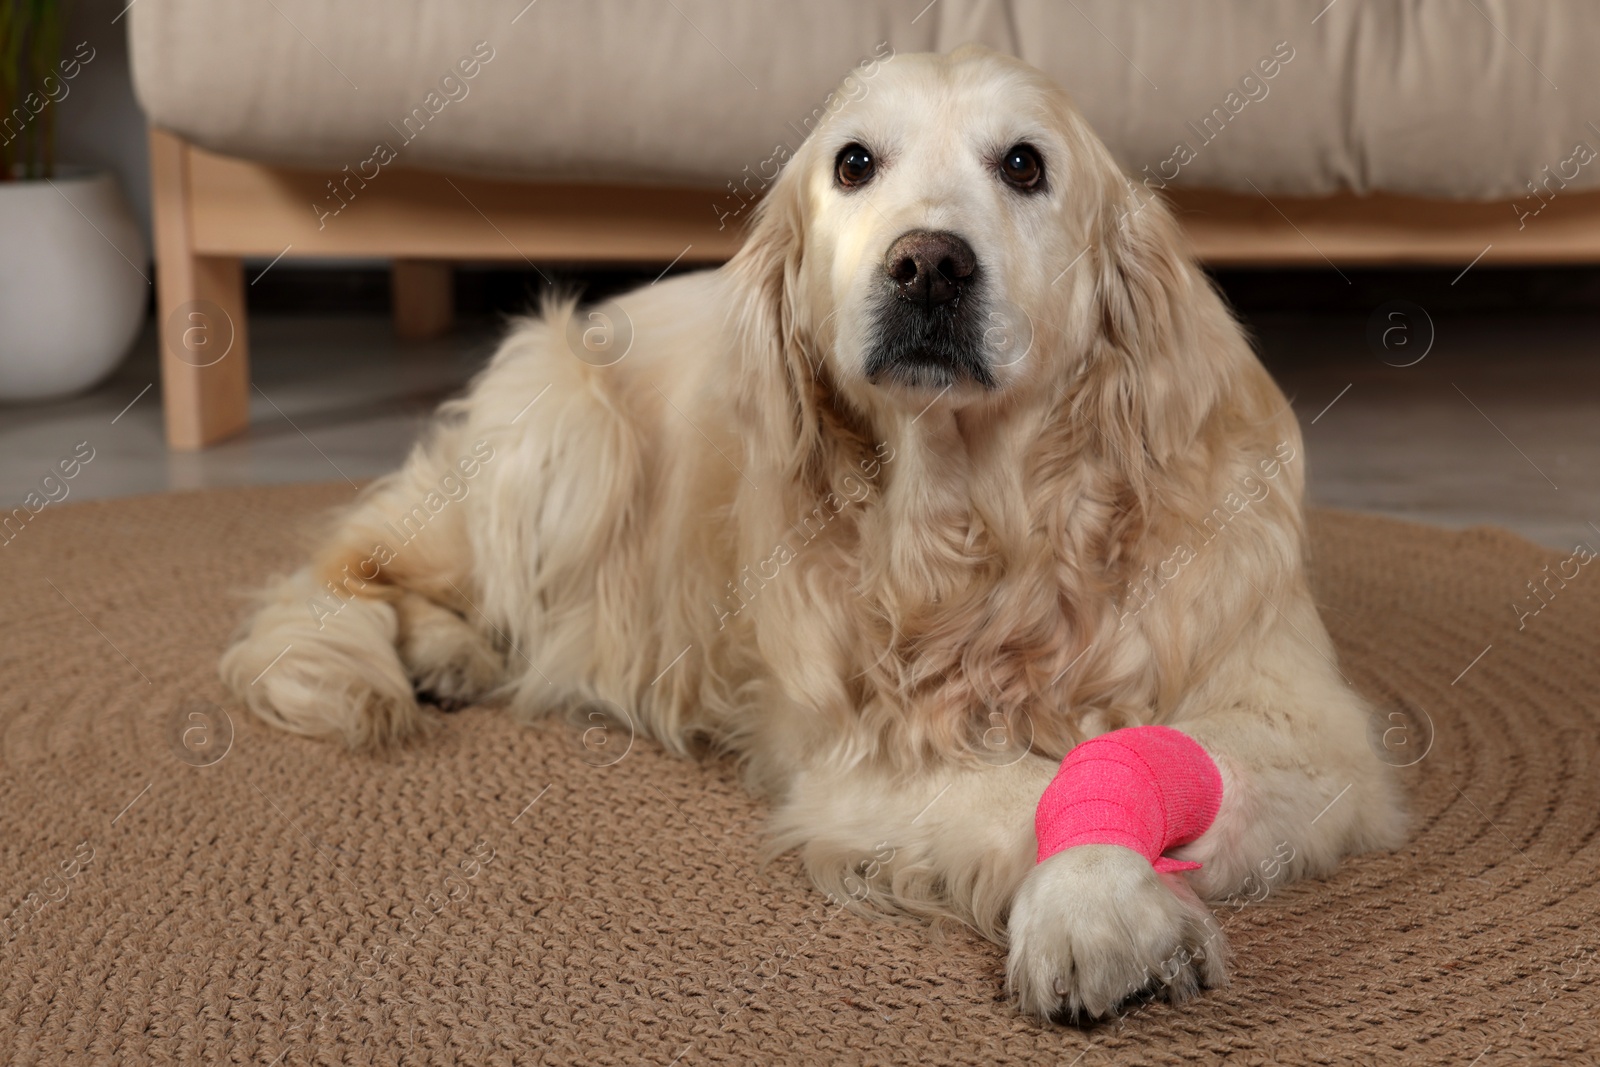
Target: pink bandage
(1147, 788)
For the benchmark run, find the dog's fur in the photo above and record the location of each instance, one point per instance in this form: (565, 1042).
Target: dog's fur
(899, 605)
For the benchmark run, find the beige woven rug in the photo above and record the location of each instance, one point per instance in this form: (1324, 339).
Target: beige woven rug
(173, 889)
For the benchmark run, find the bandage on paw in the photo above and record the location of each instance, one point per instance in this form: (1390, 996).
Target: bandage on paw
(1148, 788)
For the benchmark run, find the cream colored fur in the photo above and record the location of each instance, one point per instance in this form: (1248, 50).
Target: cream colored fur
(881, 598)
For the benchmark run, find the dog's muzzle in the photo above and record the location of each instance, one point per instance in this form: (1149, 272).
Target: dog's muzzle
(929, 329)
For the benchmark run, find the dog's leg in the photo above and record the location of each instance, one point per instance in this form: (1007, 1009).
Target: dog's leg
(334, 675)
(1096, 925)
(334, 649)
(950, 842)
(1302, 788)
(1085, 934)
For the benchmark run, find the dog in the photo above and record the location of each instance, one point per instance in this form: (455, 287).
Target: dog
(958, 462)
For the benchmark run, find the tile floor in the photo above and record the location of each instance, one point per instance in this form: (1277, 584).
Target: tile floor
(1500, 423)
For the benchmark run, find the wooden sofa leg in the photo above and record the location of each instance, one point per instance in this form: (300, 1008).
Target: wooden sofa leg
(200, 304)
(205, 358)
(423, 298)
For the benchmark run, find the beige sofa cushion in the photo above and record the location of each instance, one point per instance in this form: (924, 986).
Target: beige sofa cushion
(1427, 97)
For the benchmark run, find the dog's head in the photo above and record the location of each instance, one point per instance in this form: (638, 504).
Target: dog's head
(937, 206)
(952, 234)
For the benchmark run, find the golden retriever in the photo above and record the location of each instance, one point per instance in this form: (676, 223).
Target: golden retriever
(959, 462)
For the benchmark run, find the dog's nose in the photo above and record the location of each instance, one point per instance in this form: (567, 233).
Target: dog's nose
(930, 268)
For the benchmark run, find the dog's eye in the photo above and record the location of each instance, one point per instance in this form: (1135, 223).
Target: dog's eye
(854, 166)
(1021, 167)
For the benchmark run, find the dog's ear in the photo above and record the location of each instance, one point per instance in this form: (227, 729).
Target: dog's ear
(1163, 329)
(777, 399)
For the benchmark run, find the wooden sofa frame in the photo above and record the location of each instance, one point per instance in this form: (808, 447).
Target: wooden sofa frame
(211, 211)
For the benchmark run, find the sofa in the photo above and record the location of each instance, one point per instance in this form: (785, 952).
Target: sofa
(1323, 133)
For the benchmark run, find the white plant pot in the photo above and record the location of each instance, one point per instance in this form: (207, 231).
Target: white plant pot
(73, 283)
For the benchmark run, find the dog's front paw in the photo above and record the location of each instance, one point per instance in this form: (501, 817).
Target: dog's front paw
(1095, 925)
(450, 664)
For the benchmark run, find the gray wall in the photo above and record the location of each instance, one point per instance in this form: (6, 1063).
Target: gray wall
(100, 124)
